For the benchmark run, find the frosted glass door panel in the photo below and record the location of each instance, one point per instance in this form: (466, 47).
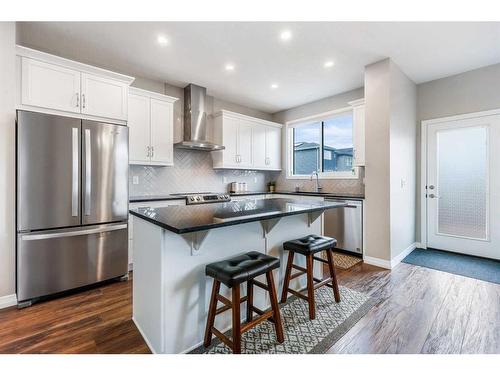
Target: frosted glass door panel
(463, 182)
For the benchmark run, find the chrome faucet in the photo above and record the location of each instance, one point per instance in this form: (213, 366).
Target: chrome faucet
(318, 188)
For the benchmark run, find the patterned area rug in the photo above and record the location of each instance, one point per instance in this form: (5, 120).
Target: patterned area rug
(302, 335)
(345, 261)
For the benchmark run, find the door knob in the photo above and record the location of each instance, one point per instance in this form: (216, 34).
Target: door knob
(432, 196)
(431, 187)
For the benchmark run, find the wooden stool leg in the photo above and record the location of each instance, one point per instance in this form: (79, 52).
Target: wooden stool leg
(278, 325)
(310, 287)
(236, 319)
(331, 266)
(211, 313)
(288, 273)
(249, 301)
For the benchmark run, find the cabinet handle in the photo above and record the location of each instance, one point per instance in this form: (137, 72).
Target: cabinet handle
(152, 151)
(83, 100)
(149, 151)
(77, 100)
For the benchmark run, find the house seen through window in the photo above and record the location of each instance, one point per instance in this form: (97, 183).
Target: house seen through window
(325, 146)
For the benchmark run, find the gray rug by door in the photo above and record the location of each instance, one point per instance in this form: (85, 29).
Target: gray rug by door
(302, 335)
(459, 264)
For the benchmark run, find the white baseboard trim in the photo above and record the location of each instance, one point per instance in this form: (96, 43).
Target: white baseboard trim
(144, 336)
(7, 301)
(377, 262)
(130, 267)
(395, 261)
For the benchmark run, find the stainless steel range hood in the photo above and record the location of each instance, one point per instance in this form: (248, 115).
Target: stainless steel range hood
(195, 121)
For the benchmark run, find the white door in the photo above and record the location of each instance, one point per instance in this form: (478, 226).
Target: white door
(162, 132)
(273, 148)
(260, 160)
(463, 186)
(104, 97)
(50, 86)
(245, 143)
(139, 129)
(230, 142)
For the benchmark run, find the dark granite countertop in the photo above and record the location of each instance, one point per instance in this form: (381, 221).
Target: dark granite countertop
(168, 197)
(186, 219)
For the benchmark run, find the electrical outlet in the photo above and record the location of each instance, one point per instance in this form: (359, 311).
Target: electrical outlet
(135, 180)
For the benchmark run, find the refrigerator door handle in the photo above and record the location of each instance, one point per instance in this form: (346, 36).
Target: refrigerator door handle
(74, 171)
(83, 232)
(88, 169)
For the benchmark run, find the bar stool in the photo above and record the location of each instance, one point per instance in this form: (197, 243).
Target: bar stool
(308, 246)
(233, 272)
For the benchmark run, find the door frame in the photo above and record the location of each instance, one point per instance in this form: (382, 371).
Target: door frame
(423, 162)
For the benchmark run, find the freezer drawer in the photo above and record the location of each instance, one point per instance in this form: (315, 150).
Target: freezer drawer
(346, 225)
(57, 260)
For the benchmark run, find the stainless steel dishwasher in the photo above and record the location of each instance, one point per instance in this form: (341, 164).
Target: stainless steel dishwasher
(346, 225)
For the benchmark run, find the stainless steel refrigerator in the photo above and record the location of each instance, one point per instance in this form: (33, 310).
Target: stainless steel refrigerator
(72, 204)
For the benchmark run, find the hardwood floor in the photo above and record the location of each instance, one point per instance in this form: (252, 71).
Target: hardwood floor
(419, 310)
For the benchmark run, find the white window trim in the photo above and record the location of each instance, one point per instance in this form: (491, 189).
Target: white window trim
(346, 175)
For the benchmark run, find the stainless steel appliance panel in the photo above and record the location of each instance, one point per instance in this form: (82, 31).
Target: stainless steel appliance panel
(346, 225)
(48, 171)
(104, 172)
(58, 260)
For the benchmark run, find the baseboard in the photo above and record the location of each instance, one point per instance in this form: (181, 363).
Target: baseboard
(395, 261)
(144, 336)
(7, 301)
(377, 262)
(130, 267)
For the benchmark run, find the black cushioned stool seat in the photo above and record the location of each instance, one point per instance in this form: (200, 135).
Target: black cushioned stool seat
(232, 272)
(310, 244)
(241, 268)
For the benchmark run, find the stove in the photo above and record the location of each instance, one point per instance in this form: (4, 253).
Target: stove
(204, 197)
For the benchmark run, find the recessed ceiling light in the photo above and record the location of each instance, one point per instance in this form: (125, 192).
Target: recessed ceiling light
(286, 35)
(328, 64)
(229, 67)
(274, 86)
(162, 40)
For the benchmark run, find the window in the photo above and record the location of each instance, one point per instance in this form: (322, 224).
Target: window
(324, 145)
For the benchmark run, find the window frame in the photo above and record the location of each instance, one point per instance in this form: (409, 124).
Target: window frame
(290, 125)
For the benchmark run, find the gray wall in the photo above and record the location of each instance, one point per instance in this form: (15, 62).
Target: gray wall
(473, 91)
(310, 109)
(7, 158)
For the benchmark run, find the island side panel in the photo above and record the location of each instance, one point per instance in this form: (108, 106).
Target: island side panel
(148, 301)
(186, 288)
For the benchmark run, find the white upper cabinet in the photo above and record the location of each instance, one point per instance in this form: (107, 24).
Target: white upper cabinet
(250, 143)
(151, 128)
(50, 86)
(162, 132)
(55, 85)
(139, 128)
(104, 97)
(358, 129)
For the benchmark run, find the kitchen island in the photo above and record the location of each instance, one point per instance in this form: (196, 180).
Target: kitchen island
(172, 246)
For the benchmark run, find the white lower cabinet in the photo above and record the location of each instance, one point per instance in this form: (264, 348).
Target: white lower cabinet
(151, 128)
(154, 204)
(250, 143)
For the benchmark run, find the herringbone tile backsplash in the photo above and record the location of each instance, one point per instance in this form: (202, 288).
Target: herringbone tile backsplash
(192, 172)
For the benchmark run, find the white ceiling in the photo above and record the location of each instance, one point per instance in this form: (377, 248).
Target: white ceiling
(198, 51)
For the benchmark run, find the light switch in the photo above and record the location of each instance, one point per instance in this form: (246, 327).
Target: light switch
(135, 180)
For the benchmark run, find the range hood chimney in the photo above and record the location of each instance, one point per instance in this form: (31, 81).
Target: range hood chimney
(195, 121)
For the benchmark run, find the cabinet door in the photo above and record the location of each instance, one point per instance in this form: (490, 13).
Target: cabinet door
(245, 143)
(230, 142)
(139, 128)
(259, 144)
(49, 86)
(273, 148)
(162, 132)
(104, 97)
(359, 135)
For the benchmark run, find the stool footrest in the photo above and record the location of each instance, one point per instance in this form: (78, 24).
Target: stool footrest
(320, 259)
(298, 294)
(259, 284)
(299, 268)
(227, 307)
(256, 321)
(222, 337)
